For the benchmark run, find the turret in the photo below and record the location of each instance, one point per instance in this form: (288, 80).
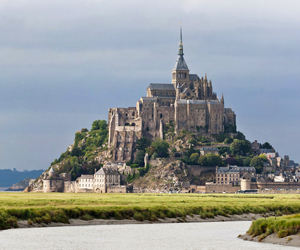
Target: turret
(222, 99)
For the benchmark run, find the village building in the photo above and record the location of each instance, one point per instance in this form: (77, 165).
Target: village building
(86, 183)
(106, 180)
(231, 174)
(205, 151)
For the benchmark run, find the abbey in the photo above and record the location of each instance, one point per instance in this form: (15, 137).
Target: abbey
(188, 102)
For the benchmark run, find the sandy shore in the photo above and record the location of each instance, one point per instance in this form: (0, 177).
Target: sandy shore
(188, 219)
(292, 240)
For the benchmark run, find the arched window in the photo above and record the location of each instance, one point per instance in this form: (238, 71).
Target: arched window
(160, 115)
(184, 75)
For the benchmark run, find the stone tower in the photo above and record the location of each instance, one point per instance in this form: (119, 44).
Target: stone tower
(180, 72)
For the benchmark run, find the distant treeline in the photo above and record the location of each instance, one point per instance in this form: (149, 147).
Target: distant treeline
(9, 177)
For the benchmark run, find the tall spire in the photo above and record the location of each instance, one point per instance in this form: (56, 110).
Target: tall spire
(180, 52)
(180, 63)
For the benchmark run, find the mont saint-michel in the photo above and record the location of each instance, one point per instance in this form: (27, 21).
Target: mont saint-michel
(180, 137)
(188, 102)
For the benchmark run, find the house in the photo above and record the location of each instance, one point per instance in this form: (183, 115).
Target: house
(86, 183)
(107, 180)
(205, 151)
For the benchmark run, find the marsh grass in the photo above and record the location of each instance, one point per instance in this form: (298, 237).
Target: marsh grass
(60, 207)
(282, 226)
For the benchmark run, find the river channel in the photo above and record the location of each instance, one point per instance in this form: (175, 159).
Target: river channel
(205, 235)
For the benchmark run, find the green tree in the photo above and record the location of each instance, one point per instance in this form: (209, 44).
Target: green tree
(161, 147)
(202, 161)
(258, 163)
(228, 140)
(139, 159)
(99, 124)
(263, 157)
(213, 160)
(143, 143)
(241, 147)
(239, 161)
(194, 158)
(240, 136)
(267, 145)
(210, 160)
(247, 161)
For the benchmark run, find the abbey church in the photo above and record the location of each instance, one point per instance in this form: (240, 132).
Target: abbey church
(188, 102)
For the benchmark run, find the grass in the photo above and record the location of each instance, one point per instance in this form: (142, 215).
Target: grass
(60, 207)
(282, 226)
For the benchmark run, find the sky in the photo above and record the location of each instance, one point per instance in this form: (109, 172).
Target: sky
(63, 63)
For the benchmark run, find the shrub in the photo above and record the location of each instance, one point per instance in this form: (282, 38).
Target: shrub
(282, 233)
(138, 216)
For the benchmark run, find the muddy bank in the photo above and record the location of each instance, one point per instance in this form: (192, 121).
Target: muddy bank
(292, 240)
(188, 219)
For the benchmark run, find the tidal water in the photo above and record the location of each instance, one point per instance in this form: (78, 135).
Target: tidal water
(207, 235)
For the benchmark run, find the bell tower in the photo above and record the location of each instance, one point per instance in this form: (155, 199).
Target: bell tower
(180, 72)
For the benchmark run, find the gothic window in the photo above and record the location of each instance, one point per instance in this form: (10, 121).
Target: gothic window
(160, 115)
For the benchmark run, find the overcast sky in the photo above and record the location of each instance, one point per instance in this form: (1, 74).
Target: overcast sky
(64, 63)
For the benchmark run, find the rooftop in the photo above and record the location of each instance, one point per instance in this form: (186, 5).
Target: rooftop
(161, 86)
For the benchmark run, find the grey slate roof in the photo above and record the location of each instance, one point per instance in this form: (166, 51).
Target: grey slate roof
(86, 176)
(161, 86)
(180, 64)
(108, 171)
(235, 169)
(226, 170)
(193, 77)
(214, 102)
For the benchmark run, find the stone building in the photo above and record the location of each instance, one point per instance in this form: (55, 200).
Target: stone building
(232, 174)
(86, 183)
(55, 183)
(107, 180)
(205, 151)
(188, 102)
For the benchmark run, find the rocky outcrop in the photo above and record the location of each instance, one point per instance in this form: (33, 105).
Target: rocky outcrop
(20, 186)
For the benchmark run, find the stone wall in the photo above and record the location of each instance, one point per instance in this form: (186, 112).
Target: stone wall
(70, 187)
(197, 169)
(116, 189)
(276, 185)
(220, 188)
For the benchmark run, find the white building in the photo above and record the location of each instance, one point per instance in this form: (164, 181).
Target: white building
(86, 182)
